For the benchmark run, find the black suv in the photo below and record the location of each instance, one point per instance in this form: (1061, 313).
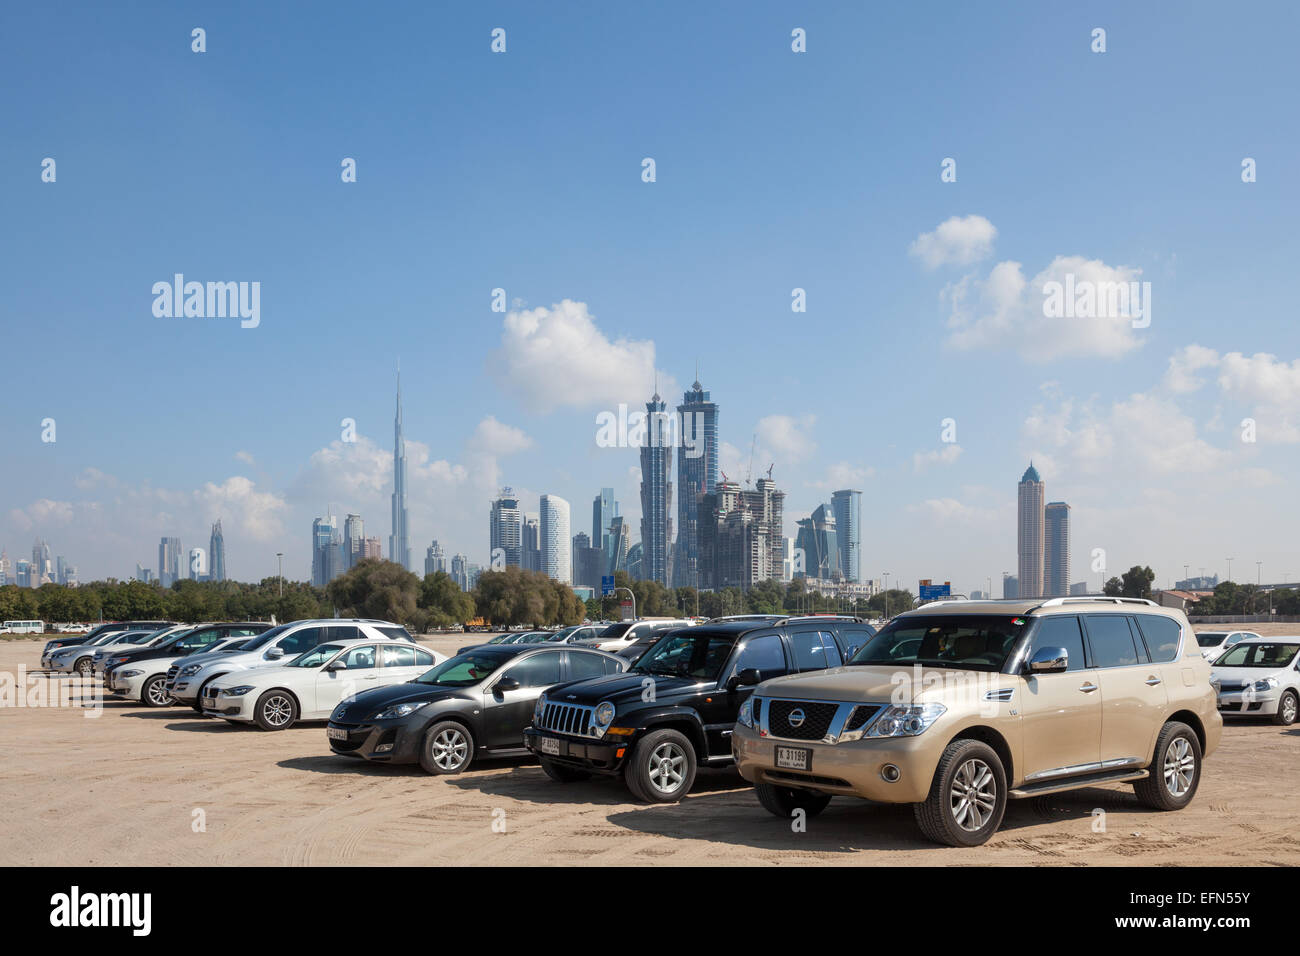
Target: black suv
(675, 708)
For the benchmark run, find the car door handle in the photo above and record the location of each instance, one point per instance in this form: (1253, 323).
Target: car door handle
(1152, 681)
(1087, 688)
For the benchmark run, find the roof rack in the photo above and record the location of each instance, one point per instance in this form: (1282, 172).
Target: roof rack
(1104, 598)
(820, 617)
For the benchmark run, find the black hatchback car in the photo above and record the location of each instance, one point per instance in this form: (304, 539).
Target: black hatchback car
(675, 708)
(476, 703)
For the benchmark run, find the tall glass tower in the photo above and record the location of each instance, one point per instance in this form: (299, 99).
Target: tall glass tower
(697, 476)
(217, 554)
(847, 506)
(656, 492)
(399, 546)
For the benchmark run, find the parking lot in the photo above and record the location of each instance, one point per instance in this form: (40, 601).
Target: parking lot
(137, 786)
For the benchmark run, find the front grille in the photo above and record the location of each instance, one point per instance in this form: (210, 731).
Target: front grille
(172, 672)
(352, 743)
(575, 719)
(806, 778)
(817, 719)
(758, 709)
(861, 716)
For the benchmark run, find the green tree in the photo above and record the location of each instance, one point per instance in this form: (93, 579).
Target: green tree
(375, 588)
(443, 601)
(1136, 582)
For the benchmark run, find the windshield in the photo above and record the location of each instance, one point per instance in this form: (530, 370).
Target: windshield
(1259, 655)
(233, 645)
(463, 670)
(688, 654)
(266, 637)
(960, 642)
(316, 656)
(132, 637)
(1211, 638)
(563, 633)
(615, 630)
(176, 638)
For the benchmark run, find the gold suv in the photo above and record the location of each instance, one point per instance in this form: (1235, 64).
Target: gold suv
(959, 705)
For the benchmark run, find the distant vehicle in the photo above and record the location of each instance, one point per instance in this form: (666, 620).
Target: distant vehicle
(72, 628)
(145, 678)
(24, 627)
(80, 658)
(625, 633)
(131, 641)
(1214, 643)
(98, 630)
(575, 634)
(1259, 677)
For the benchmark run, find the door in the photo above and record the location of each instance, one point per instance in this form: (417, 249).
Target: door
(402, 662)
(332, 686)
(814, 650)
(1061, 712)
(1133, 697)
(718, 709)
(507, 712)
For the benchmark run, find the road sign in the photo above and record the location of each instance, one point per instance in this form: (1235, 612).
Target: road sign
(932, 592)
(607, 584)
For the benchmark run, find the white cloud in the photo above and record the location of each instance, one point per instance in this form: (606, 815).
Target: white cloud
(946, 455)
(956, 241)
(786, 438)
(245, 456)
(558, 357)
(843, 475)
(1006, 311)
(1266, 386)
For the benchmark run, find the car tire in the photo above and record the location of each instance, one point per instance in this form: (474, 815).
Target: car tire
(968, 796)
(1168, 784)
(562, 774)
(84, 666)
(1287, 705)
(154, 692)
(447, 748)
(783, 801)
(275, 710)
(661, 768)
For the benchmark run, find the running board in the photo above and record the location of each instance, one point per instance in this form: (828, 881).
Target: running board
(1074, 783)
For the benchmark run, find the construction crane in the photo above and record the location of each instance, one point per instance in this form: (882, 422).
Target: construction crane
(749, 471)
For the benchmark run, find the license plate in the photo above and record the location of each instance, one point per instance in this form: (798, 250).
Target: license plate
(793, 758)
(209, 702)
(548, 745)
(336, 733)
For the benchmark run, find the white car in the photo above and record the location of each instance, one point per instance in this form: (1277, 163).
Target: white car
(1214, 643)
(146, 680)
(276, 646)
(311, 685)
(626, 633)
(79, 658)
(1259, 677)
(130, 641)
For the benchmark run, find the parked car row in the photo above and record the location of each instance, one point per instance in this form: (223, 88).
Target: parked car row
(955, 707)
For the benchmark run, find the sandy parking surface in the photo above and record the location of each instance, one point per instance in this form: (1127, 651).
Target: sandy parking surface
(123, 788)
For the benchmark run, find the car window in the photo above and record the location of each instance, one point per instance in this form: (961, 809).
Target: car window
(361, 657)
(1209, 638)
(583, 665)
(396, 633)
(1111, 641)
(1161, 635)
(1061, 632)
(243, 632)
(811, 653)
(301, 640)
(612, 666)
(342, 632)
(316, 656)
(424, 658)
(854, 637)
(1232, 639)
(763, 654)
(978, 642)
(539, 670)
(398, 655)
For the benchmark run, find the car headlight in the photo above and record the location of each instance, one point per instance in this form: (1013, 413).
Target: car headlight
(906, 720)
(126, 674)
(239, 691)
(189, 670)
(399, 710)
(746, 715)
(1268, 683)
(604, 714)
(538, 710)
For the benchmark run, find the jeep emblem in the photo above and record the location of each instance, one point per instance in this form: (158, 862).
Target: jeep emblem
(796, 717)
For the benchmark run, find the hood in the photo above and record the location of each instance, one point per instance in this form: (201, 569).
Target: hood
(1244, 675)
(623, 689)
(155, 665)
(270, 675)
(874, 683)
(359, 708)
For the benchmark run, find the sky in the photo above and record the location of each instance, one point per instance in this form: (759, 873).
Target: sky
(774, 170)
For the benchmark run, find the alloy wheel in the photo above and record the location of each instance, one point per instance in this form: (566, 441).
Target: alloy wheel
(277, 710)
(667, 767)
(1180, 766)
(449, 749)
(974, 795)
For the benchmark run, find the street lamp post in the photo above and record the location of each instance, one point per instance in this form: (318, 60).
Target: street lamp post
(1258, 572)
(632, 596)
(279, 557)
(1229, 569)
(886, 575)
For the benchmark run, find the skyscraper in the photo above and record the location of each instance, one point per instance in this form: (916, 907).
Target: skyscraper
(197, 568)
(435, 559)
(555, 544)
(460, 571)
(326, 551)
(847, 506)
(697, 475)
(354, 536)
(169, 561)
(399, 548)
(1030, 534)
(530, 548)
(818, 537)
(617, 544)
(741, 535)
(505, 529)
(1056, 535)
(4, 568)
(217, 554)
(656, 492)
(603, 510)
(42, 569)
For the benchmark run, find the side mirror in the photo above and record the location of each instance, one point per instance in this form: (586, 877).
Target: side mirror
(274, 654)
(749, 677)
(1049, 660)
(505, 684)
(337, 666)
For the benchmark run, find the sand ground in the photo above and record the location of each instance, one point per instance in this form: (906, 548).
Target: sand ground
(127, 787)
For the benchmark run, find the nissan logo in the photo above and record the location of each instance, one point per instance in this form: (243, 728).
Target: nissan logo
(796, 717)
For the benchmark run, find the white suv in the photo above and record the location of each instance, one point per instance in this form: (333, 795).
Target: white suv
(626, 633)
(276, 646)
(1214, 643)
(1259, 677)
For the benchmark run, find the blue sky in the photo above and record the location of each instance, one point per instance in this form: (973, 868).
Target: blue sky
(775, 170)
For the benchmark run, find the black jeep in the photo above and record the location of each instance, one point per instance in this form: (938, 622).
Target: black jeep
(675, 708)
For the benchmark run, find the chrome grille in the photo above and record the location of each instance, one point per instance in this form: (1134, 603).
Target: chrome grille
(574, 719)
(172, 672)
(800, 719)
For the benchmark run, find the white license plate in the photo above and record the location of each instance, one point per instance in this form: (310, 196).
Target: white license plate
(793, 758)
(336, 733)
(548, 745)
(209, 702)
